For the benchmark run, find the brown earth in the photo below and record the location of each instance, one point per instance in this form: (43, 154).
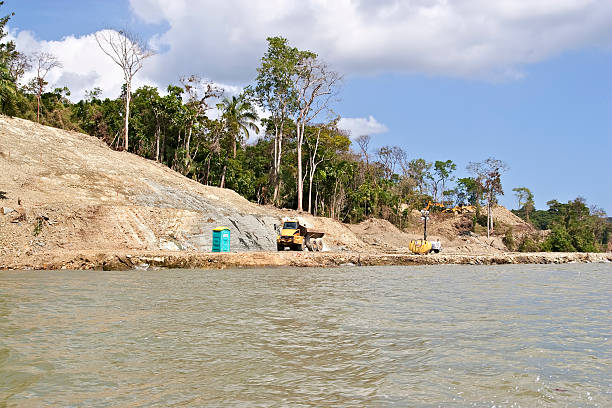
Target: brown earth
(122, 260)
(67, 193)
(453, 230)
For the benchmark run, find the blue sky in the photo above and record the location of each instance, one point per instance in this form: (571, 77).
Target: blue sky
(544, 108)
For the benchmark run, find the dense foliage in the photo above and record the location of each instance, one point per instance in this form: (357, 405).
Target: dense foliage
(571, 226)
(299, 151)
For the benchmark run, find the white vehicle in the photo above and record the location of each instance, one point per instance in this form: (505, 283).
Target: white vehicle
(436, 246)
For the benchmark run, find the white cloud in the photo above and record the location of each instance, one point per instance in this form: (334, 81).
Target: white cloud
(467, 38)
(362, 126)
(85, 66)
(224, 40)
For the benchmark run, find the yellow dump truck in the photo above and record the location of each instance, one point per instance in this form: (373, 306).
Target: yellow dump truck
(296, 236)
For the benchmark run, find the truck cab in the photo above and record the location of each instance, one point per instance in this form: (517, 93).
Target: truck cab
(291, 236)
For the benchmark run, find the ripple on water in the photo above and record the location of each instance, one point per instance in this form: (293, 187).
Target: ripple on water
(516, 335)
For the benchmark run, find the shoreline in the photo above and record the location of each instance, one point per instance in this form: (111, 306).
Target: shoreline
(130, 260)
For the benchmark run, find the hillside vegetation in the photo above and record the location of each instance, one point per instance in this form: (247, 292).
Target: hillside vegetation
(301, 158)
(67, 191)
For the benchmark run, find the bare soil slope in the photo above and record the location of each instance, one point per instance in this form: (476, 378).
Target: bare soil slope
(78, 194)
(67, 191)
(451, 229)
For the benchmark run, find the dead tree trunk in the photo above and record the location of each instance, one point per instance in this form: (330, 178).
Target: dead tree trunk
(128, 53)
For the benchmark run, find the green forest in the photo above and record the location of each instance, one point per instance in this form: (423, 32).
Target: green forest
(294, 156)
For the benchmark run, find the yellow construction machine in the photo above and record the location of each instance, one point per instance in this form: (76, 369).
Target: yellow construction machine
(296, 236)
(423, 246)
(460, 209)
(431, 204)
(419, 246)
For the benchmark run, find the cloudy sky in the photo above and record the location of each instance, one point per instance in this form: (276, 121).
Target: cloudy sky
(528, 82)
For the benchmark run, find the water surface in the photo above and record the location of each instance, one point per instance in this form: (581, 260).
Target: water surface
(450, 336)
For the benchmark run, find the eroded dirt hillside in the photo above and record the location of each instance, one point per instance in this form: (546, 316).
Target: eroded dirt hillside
(67, 191)
(70, 191)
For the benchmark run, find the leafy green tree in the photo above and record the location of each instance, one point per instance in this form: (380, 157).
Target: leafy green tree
(443, 171)
(559, 240)
(7, 90)
(574, 228)
(239, 117)
(525, 201)
(419, 171)
(7, 55)
(275, 92)
(57, 109)
(145, 124)
(323, 143)
(99, 118)
(198, 93)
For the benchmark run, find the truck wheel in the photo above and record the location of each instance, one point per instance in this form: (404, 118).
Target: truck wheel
(298, 247)
(280, 247)
(310, 245)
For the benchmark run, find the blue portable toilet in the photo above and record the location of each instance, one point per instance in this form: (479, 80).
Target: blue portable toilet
(221, 239)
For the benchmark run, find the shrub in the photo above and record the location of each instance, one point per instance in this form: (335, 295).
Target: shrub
(528, 244)
(508, 239)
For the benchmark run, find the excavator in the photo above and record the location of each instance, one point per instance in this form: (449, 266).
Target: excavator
(460, 209)
(431, 205)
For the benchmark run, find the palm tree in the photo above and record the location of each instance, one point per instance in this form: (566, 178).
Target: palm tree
(238, 117)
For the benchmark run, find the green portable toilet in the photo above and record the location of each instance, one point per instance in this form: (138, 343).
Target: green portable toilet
(221, 239)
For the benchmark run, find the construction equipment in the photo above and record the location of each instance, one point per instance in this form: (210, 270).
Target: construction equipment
(419, 246)
(424, 247)
(431, 204)
(460, 209)
(296, 236)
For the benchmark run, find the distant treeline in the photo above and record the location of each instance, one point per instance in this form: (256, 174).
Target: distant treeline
(573, 227)
(300, 159)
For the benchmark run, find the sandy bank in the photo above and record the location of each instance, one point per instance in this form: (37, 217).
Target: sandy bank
(190, 259)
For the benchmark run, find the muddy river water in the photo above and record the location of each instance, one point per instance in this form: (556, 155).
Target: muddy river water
(449, 336)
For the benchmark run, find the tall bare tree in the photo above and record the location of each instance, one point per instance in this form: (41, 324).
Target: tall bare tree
(488, 176)
(127, 51)
(43, 63)
(363, 141)
(316, 85)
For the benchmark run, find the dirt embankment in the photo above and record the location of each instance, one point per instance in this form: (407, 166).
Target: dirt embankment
(121, 260)
(66, 191)
(453, 230)
(68, 194)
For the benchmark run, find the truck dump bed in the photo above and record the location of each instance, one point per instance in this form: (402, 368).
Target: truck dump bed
(314, 234)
